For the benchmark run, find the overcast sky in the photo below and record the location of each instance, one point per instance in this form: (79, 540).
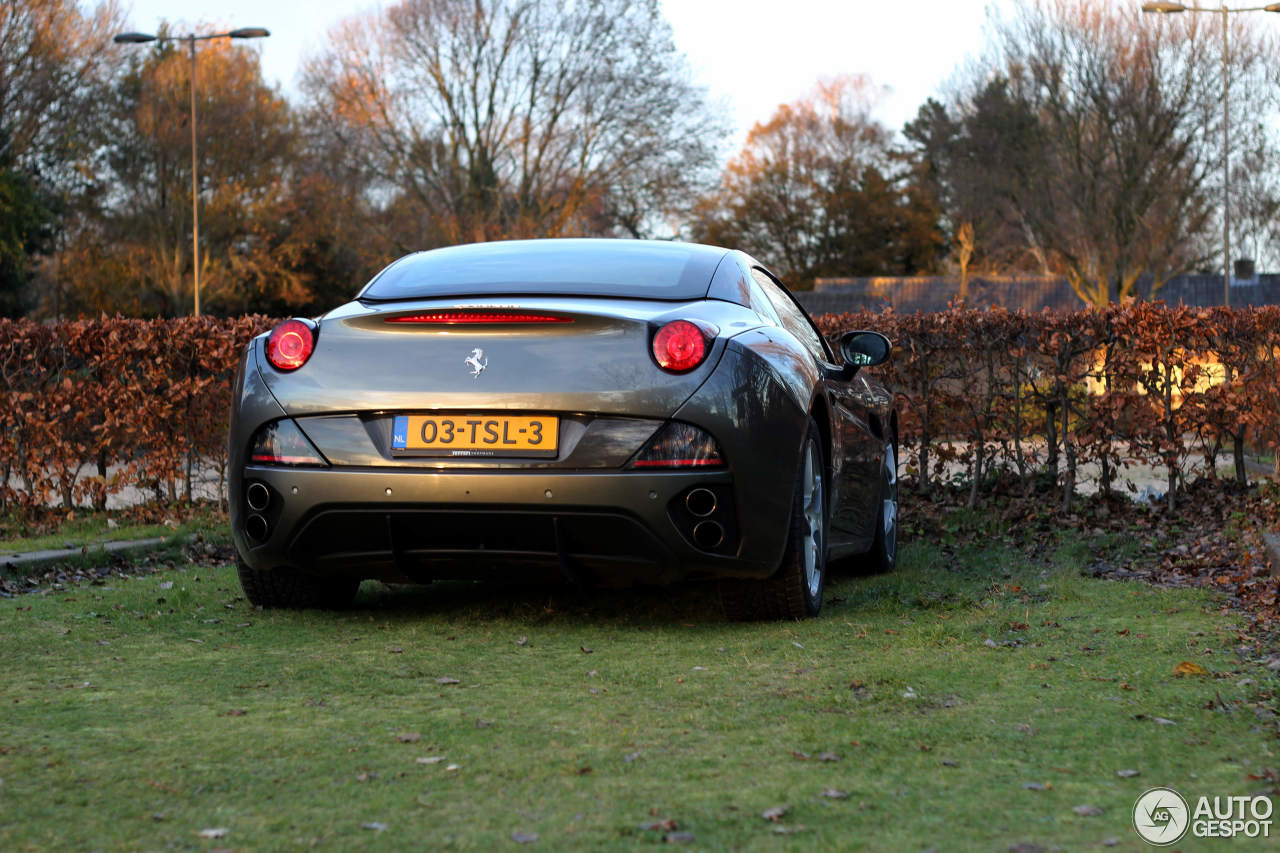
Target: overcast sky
(752, 54)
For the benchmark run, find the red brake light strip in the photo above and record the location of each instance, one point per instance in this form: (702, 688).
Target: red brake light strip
(457, 318)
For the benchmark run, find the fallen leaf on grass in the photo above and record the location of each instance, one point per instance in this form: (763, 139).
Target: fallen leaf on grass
(828, 756)
(215, 832)
(376, 826)
(366, 776)
(678, 838)
(1087, 811)
(430, 759)
(445, 679)
(396, 650)
(524, 837)
(775, 813)
(630, 757)
(585, 650)
(803, 756)
(523, 641)
(834, 794)
(234, 712)
(1127, 774)
(451, 768)
(169, 585)
(667, 825)
(1189, 668)
(408, 737)
(1037, 786)
(788, 830)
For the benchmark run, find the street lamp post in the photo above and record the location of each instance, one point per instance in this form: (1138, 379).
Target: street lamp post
(1166, 8)
(191, 39)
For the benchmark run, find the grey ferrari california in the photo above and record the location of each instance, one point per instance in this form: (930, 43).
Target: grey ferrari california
(598, 411)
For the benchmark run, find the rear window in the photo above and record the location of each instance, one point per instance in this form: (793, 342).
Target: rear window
(626, 268)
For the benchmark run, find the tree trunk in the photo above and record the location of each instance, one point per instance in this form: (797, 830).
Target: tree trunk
(1237, 448)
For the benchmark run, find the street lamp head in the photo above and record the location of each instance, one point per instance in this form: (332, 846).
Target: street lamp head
(1164, 8)
(249, 33)
(133, 38)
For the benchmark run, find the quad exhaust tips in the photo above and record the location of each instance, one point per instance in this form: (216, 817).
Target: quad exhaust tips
(258, 497)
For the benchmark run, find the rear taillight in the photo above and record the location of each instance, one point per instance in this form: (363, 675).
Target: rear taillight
(463, 318)
(282, 443)
(681, 345)
(680, 445)
(290, 344)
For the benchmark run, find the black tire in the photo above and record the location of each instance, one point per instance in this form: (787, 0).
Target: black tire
(795, 590)
(883, 555)
(282, 588)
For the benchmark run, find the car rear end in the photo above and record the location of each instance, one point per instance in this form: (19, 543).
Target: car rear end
(529, 435)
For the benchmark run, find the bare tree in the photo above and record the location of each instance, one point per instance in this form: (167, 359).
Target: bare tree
(498, 118)
(1096, 133)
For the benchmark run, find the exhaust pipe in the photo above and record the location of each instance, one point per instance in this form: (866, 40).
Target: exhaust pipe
(701, 502)
(258, 496)
(708, 535)
(256, 527)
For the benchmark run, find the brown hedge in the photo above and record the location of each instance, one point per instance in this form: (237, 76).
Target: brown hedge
(90, 407)
(1041, 394)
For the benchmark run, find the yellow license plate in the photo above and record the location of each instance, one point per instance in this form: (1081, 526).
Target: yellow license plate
(476, 435)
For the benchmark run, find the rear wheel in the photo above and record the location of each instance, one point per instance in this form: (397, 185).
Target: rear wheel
(883, 555)
(795, 590)
(284, 588)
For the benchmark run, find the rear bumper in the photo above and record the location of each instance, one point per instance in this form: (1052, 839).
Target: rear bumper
(608, 527)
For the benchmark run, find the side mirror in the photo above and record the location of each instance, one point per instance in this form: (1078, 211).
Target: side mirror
(864, 349)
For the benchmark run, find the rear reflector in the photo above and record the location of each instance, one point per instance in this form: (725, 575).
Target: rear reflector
(461, 318)
(680, 445)
(282, 443)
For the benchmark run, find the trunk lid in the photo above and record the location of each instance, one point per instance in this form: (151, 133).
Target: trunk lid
(597, 360)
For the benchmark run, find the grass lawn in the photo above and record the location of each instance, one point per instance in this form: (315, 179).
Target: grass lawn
(84, 527)
(970, 701)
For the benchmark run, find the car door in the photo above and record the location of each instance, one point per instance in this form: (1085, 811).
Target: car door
(855, 451)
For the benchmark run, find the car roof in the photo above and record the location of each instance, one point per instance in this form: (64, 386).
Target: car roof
(645, 269)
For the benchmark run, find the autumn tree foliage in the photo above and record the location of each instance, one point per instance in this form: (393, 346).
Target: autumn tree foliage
(55, 62)
(485, 119)
(820, 191)
(1088, 141)
(133, 252)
